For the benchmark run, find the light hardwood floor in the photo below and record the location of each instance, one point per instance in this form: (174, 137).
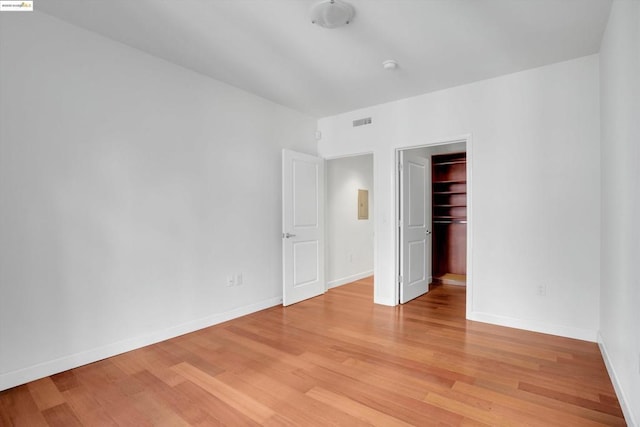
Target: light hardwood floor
(337, 359)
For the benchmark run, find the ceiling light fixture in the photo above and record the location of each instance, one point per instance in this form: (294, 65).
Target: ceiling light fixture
(332, 13)
(390, 64)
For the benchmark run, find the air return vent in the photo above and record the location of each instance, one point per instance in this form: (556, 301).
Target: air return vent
(361, 122)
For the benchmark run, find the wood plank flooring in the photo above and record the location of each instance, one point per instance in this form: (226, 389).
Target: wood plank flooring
(337, 359)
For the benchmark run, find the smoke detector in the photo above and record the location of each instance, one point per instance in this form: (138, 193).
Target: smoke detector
(332, 13)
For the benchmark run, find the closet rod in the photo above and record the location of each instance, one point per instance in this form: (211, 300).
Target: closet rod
(455, 221)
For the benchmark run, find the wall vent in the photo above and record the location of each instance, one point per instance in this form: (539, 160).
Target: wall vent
(361, 122)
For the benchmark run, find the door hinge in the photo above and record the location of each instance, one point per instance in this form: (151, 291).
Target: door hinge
(400, 279)
(400, 166)
(399, 223)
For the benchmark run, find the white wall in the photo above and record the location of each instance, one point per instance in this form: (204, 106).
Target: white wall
(129, 189)
(620, 122)
(349, 240)
(535, 200)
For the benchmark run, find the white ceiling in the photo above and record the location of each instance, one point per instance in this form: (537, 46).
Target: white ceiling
(270, 48)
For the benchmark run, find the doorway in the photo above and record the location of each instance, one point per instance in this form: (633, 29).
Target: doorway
(433, 217)
(349, 219)
(449, 225)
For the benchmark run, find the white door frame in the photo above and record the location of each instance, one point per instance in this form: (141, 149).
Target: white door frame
(469, 148)
(326, 238)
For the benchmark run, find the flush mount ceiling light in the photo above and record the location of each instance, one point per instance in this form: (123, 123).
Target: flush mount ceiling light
(390, 64)
(332, 13)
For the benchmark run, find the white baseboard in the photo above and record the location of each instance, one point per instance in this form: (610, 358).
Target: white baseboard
(545, 328)
(349, 279)
(41, 370)
(622, 398)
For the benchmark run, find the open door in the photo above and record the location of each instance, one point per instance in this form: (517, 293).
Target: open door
(302, 226)
(415, 223)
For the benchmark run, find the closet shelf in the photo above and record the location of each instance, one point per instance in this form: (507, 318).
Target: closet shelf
(450, 221)
(449, 192)
(456, 181)
(449, 206)
(453, 162)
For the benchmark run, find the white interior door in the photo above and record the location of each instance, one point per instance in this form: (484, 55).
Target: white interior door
(415, 226)
(302, 226)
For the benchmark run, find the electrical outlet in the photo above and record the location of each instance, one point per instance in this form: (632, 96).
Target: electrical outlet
(231, 281)
(239, 279)
(541, 290)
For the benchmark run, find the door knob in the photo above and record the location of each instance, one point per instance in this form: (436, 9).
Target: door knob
(288, 235)
(427, 232)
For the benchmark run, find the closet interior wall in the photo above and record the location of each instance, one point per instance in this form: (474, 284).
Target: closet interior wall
(449, 201)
